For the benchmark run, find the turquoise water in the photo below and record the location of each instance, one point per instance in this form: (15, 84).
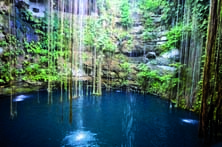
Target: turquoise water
(116, 119)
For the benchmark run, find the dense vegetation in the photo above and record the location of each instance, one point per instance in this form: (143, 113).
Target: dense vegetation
(66, 45)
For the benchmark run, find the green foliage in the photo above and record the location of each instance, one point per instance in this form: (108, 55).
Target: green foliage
(5, 76)
(9, 58)
(148, 7)
(151, 81)
(97, 37)
(126, 20)
(35, 48)
(3, 43)
(201, 9)
(174, 37)
(172, 13)
(126, 67)
(151, 5)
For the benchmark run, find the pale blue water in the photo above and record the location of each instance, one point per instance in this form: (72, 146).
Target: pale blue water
(116, 119)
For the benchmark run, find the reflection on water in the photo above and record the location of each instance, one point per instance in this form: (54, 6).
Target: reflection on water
(79, 113)
(80, 138)
(128, 126)
(190, 121)
(20, 98)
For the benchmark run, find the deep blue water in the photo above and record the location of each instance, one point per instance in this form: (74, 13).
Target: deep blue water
(116, 119)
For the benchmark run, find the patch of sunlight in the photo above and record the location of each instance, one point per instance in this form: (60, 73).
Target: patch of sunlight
(80, 138)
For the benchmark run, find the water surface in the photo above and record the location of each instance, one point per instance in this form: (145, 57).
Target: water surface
(116, 119)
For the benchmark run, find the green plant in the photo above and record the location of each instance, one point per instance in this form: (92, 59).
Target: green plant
(150, 5)
(126, 67)
(3, 43)
(151, 81)
(174, 37)
(126, 20)
(5, 75)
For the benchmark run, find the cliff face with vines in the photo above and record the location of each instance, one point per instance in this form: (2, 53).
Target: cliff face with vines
(138, 46)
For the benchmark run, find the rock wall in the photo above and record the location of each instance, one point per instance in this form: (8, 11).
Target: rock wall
(139, 51)
(120, 69)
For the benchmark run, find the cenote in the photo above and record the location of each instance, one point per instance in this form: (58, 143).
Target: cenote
(110, 73)
(113, 119)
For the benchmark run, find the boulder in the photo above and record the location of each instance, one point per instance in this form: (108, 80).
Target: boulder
(162, 33)
(162, 69)
(156, 18)
(160, 42)
(131, 50)
(163, 61)
(122, 75)
(151, 55)
(138, 60)
(163, 38)
(36, 10)
(37, 7)
(172, 54)
(167, 68)
(137, 30)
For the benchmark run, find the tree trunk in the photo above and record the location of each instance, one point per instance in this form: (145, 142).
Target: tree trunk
(206, 115)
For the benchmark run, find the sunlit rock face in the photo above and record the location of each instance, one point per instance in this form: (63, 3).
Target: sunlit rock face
(173, 54)
(36, 7)
(4, 9)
